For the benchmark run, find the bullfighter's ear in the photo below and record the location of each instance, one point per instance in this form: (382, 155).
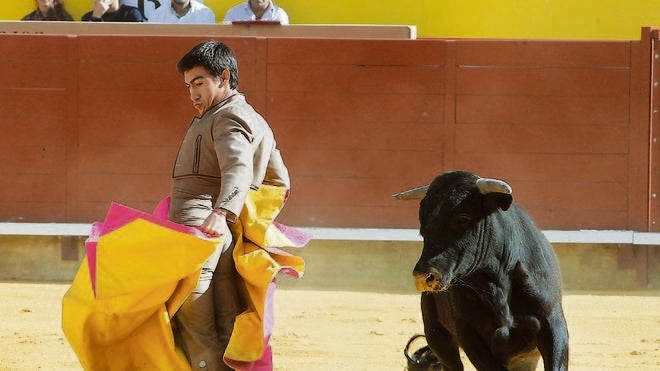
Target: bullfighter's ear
(494, 201)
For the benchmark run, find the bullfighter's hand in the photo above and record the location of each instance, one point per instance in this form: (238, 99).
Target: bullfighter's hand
(215, 224)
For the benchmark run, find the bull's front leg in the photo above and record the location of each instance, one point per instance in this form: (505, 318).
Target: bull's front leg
(553, 341)
(476, 349)
(512, 335)
(436, 312)
(482, 315)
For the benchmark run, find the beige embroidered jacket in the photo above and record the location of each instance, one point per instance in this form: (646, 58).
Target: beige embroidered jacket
(227, 151)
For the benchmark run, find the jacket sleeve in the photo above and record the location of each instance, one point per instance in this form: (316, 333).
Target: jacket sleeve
(233, 148)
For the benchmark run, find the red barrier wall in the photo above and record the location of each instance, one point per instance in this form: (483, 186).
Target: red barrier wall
(91, 119)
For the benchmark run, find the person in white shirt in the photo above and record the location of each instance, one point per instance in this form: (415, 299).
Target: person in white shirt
(182, 11)
(256, 10)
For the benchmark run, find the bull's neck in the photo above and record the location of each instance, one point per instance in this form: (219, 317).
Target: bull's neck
(492, 252)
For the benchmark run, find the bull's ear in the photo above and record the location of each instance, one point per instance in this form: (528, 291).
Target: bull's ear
(494, 201)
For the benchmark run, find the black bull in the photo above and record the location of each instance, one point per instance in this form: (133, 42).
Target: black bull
(490, 280)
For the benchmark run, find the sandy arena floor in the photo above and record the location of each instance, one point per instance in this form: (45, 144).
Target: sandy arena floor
(330, 330)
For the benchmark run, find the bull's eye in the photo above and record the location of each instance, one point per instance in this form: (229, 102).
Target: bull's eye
(460, 221)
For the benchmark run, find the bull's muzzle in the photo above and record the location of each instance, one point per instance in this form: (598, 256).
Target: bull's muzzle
(427, 282)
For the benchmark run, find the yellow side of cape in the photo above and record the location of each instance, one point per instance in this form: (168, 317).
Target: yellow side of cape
(144, 273)
(258, 264)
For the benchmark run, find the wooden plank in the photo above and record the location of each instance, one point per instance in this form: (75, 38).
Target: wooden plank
(26, 48)
(257, 77)
(596, 82)
(112, 75)
(134, 187)
(71, 133)
(154, 48)
(513, 167)
(562, 194)
(540, 53)
(346, 191)
(534, 109)
(328, 52)
(33, 187)
(133, 117)
(379, 209)
(641, 108)
(364, 164)
(523, 139)
(652, 51)
(448, 121)
(32, 210)
(119, 160)
(30, 159)
(40, 131)
(364, 108)
(365, 79)
(104, 71)
(554, 204)
(19, 104)
(33, 74)
(343, 215)
(580, 219)
(344, 135)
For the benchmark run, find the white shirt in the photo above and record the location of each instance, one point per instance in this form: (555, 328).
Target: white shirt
(198, 13)
(243, 12)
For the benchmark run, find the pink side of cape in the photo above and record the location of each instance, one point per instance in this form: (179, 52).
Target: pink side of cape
(119, 215)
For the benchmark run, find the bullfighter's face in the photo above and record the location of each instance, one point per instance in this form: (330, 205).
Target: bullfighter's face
(206, 89)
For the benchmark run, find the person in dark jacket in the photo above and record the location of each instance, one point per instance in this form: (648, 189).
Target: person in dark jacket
(112, 11)
(48, 10)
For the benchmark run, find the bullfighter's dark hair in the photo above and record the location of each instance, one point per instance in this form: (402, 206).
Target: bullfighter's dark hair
(215, 57)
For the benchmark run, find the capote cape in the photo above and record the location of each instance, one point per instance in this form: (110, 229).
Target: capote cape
(139, 268)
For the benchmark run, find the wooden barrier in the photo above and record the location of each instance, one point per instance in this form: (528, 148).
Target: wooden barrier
(89, 119)
(215, 30)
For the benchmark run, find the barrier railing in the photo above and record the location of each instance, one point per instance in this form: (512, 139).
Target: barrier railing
(362, 234)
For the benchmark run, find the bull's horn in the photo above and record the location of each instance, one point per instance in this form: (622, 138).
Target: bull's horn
(487, 185)
(412, 194)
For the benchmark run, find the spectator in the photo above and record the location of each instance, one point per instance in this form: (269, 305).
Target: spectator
(49, 10)
(183, 11)
(112, 11)
(257, 10)
(146, 7)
